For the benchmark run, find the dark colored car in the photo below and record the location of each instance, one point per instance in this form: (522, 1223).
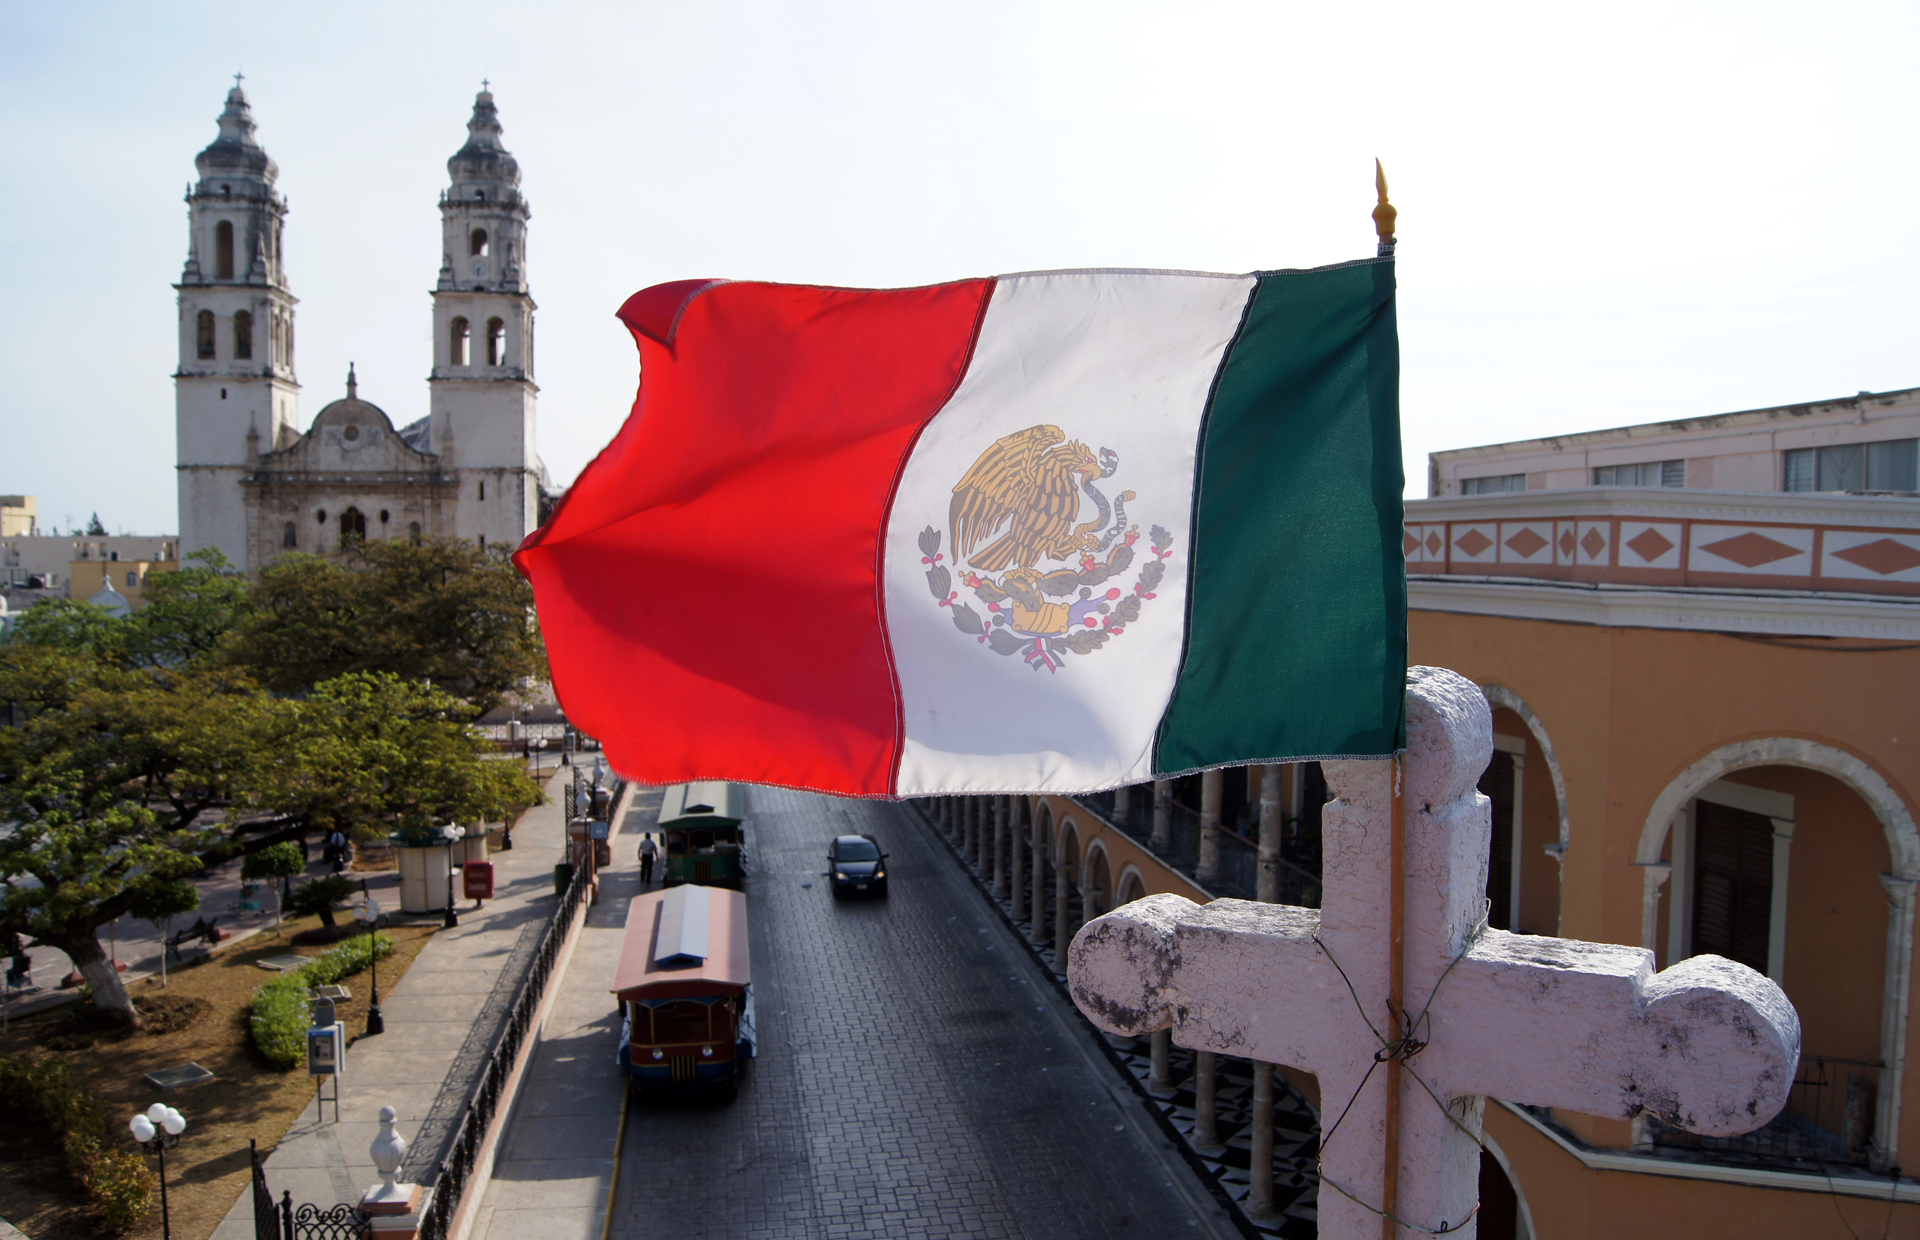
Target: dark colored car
(858, 865)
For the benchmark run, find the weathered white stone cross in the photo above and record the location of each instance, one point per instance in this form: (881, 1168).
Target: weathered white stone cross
(1708, 1045)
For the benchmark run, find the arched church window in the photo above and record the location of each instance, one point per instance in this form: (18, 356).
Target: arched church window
(477, 244)
(223, 250)
(496, 342)
(413, 532)
(289, 536)
(203, 333)
(242, 333)
(457, 343)
(289, 342)
(353, 526)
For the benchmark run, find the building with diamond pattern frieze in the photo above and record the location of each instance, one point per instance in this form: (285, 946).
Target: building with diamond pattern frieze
(251, 482)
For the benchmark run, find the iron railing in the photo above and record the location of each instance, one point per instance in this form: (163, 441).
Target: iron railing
(1828, 1119)
(450, 1179)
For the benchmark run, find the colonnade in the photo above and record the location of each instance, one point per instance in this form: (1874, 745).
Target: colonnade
(1016, 846)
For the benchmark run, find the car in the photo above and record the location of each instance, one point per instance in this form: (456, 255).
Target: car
(857, 865)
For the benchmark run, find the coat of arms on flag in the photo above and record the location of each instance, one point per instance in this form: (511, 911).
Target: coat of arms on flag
(1021, 499)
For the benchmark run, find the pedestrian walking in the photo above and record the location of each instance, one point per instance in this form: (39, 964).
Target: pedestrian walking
(337, 854)
(648, 850)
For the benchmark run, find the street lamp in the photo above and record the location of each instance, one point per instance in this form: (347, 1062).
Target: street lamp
(158, 1131)
(370, 913)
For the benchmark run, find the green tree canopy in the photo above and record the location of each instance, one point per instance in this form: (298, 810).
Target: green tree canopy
(452, 613)
(119, 778)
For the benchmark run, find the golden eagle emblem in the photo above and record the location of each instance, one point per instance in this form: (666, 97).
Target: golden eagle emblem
(1018, 507)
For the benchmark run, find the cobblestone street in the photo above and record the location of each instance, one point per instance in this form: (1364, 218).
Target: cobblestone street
(918, 1074)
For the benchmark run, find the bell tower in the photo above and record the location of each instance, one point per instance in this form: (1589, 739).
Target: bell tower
(482, 386)
(235, 394)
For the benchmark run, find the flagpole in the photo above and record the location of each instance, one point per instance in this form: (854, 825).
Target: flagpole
(1396, 982)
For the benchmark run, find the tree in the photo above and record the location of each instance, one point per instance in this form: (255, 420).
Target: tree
(72, 626)
(160, 903)
(450, 612)
(282, 861)
(117, 777)
(320, 897)
(187, 615)
(94, 528)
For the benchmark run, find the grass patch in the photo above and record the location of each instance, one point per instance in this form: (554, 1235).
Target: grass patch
(247, 1098)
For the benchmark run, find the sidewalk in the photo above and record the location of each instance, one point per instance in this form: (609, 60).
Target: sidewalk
(441, 1024)
(555, 1167)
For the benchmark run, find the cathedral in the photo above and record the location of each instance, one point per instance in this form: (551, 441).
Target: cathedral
(251, 482)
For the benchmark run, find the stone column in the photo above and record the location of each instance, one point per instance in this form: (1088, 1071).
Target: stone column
(1162, 815)
(1002, 811)
(1206, 1135)
(1037, 928)
(1062, 932)
(982, 832)
(1211, 784)
(1271, 819)
(1122, 804)
(1160, 1051)
(1260, 1157)
(1017, 848)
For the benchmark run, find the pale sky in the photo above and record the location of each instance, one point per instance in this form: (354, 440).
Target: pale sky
(1608, 214)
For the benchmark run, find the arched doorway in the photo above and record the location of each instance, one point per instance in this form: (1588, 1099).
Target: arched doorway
(1099, 895)
(1782, 853)
(1503, 1213)
(1530, 827)
(353, 526)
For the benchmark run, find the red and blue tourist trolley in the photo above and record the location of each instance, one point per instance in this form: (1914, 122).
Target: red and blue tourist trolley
(685, 986)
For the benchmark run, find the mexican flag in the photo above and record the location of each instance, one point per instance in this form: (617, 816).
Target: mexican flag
(1049, 532)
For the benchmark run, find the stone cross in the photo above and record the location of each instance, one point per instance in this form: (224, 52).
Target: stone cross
(1707, 1045)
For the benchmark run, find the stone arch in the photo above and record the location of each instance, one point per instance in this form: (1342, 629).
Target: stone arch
(477, 244)
(1132, 886)
(290, 535)
(353, 526)
(496, 342)
(243, 333)
(223, 250)
(203, 334)
(1903, 848)
(1067, 848)
(459, 336)
(1492, 1150)
(1499, 697)
(1097, 880)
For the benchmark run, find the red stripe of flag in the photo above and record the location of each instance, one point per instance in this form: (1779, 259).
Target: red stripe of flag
(710, 588)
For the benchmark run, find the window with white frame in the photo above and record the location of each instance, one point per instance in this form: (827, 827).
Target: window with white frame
(1890, 465)
(1498, 484)
(1642, 474)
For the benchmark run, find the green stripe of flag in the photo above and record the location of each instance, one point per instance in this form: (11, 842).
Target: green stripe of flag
(1297, 628)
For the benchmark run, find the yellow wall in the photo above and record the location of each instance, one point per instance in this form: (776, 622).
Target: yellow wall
(85, 577)
(1629, 710)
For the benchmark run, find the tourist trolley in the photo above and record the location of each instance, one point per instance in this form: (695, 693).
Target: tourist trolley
(703, 839)
(685, 987)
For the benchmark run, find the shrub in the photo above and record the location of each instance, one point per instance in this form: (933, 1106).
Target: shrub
(277, 1014)
(44, 1089)
(320, 896)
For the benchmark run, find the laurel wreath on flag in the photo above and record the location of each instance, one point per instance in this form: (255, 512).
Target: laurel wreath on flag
(1102, 620)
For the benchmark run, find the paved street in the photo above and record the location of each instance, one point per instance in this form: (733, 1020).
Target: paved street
(918, 1074)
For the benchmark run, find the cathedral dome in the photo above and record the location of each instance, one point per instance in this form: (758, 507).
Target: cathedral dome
(355, 417)
(483, 168)
(234, 153)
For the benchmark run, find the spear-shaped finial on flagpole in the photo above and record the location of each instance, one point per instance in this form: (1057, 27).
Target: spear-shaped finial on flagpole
(1383, 212)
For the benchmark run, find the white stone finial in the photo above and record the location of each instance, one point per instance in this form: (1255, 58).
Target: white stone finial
(389, 1150)
(1708, 1045)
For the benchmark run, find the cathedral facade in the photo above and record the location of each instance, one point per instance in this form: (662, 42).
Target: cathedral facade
(251, 482)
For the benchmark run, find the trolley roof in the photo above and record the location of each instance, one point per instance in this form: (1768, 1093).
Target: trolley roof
(708, 800)
(684, 942)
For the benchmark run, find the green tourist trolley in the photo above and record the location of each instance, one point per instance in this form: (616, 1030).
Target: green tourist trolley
(703, 838)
